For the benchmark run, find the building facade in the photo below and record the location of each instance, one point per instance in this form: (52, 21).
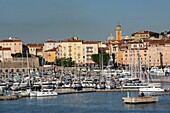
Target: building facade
(34, 48)
(14, 43)
(50, 55)
(72, 48)
(89, 48)
(5, 53)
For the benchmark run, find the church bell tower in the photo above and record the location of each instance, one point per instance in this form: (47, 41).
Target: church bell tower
(118, 32)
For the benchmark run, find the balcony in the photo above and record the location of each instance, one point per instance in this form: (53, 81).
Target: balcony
(89, 51)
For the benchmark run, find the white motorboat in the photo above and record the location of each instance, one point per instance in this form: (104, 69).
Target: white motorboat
(15, 86)
(3, 86)
(110, 83)
(46, 92)
(88, 84)
(167, 71)
(152, 89)
(43, 93)
(101, 85)
(77, 85)
(33, 93)
(155, 71)
(25, 93)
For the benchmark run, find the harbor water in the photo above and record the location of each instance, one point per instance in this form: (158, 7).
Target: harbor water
(93, 102)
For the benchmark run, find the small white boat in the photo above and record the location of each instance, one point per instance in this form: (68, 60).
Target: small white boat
(43, 93)
(152, 89)
(3, 85)
(46, 92)
(77, 85)
(139, 99)
(155, 71)
(25, 93)
(33, 93)
(15, 86)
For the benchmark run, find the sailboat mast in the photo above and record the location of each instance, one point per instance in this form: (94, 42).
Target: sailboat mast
(28, 69)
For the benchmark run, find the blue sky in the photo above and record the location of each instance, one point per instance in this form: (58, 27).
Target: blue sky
(38, 20)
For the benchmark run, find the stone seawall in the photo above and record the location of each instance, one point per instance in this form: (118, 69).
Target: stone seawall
(18, 64)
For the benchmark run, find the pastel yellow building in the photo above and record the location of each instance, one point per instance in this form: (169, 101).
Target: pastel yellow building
(72, 48)
(50, 55)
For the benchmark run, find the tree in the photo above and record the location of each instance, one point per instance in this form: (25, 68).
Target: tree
(65, 62)
(18, 55)
(97, 58)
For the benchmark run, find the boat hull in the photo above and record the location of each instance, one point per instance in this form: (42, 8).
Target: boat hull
(140, 100)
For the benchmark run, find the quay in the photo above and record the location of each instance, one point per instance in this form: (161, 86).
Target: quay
(72, 91)
(9, 97)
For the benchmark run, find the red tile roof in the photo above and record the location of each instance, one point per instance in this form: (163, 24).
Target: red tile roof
(90, 42)
(144, 32)
(51, 41)
(35, 45)
(6, 49)
(51, 50)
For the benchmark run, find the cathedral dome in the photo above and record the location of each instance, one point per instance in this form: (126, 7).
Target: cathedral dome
(110, 37)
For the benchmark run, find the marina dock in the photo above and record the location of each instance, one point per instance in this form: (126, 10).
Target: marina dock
(87, 90)
(9, 97)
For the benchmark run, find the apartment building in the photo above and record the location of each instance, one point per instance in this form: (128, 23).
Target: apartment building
(72, 48)
(50, 55)
(34, 48)
(14, 43)
(159, 52)
(145, 34)
(49, 44)
(5, 53)
(89, 48)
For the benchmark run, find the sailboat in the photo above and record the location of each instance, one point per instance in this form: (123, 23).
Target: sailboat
(152, 88)
(101, 82)
(43, 92)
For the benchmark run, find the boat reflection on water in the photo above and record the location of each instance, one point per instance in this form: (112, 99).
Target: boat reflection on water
(44, 98)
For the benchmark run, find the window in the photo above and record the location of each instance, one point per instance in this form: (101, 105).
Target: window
(134, 45)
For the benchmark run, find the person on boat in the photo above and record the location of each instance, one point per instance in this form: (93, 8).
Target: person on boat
(142, 94)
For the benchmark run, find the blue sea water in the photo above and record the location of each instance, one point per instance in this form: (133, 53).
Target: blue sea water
(96, 102)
